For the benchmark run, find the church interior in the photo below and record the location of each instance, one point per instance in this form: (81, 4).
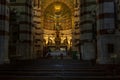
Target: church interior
(59, 39)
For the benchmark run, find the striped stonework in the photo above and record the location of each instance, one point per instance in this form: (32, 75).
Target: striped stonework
(24, 9)
(76, 29)
(117, 16)
(37, 30)
(105, 30)
(87, 27)
(95, 31)
(117, 19)
(4, 31)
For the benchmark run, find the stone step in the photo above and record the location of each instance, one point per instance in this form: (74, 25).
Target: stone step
(50, 62)
(59, 78)
(55, 70)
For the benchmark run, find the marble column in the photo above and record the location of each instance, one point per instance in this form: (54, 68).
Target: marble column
(87, 21)
(4, 31)
(26, 25)
(105, 30)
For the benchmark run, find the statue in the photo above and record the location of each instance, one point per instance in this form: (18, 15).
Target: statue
(65, 41)
(49, 41)
(57, 38)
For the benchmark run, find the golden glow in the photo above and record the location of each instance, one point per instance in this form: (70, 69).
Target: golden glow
(57, 8)
(60, 13)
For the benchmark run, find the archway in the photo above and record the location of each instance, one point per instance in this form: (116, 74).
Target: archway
(57, 25)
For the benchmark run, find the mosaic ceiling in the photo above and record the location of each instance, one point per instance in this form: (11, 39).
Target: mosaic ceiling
(57, 15)
(69, 3)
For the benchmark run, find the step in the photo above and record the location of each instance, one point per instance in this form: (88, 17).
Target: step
(60, 78)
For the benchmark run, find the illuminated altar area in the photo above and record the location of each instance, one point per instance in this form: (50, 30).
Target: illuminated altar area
(58, 26)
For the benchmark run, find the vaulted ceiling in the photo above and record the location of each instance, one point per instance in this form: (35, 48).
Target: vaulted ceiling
(62, 16)
(64, 11)
(69, 3)
(57, 14)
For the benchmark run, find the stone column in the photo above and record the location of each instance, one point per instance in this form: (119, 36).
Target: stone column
(76, 28)
(37, 19)
(105, 30)
(4, 31)
(26, 24)
(87, 20)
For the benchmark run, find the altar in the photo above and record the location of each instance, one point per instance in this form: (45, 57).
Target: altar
(57, 53)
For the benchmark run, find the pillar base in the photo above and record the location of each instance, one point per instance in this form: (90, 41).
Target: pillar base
(6, 61)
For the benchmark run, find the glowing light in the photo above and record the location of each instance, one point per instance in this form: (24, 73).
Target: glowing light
(57, 8)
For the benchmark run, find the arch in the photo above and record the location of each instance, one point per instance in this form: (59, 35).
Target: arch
(62, 17)
(69, 3)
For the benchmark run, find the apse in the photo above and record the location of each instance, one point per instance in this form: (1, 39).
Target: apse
(57, 15)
